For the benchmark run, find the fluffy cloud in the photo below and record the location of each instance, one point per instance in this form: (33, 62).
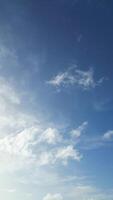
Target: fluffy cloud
(24, 148)
(108, 135)
(75, 76)
(18, 144)
(51, 136)
(60, 154)
(68, 152)
(24, 141)
(53, 197)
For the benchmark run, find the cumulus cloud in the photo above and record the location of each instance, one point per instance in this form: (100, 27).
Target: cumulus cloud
(18, 144)
(77, 77)
(25, 148)
(60, 154)
(53, 197)
(24, 141)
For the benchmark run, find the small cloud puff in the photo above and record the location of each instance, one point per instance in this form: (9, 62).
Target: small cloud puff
(108, 135)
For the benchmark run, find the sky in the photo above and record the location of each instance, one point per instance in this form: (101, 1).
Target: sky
(56, 99)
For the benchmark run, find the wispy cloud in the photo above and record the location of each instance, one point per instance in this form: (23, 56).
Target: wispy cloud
(7, 92)
(78, 131)
(90, 192)
(105, 104)
(50, 196)
(8, 56)
(81, 192)
(99, 141)
(77, 77)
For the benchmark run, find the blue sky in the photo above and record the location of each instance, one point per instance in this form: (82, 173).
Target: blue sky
(56, 99)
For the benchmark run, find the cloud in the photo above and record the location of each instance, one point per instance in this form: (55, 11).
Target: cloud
(7, 92)
(18, 144)
(108, 135)
(12, 119)
(51, 136)
(90, 192)
(53, 197)
(8, 56)
(68, 152)
(78, 131)
(77, 77)
(24, 141)
(82, 192)
(25, 148)
(61, 154)
(99, 141)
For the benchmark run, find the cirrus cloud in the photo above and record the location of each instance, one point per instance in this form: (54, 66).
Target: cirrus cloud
(77, 77)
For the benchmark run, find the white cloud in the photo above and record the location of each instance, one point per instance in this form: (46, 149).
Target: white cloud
(108, 135)
(51, 136)
(18, 144)
(68, 152)
(24, 141)
(81, 192)
(53, 197)
(78, 131)
(46, 158)
(77, 77)
(59, 155)
(59, 79)
(23, 149)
